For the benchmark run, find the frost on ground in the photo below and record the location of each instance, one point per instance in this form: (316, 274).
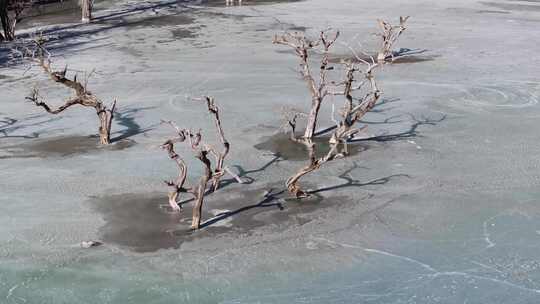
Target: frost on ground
(438, 205)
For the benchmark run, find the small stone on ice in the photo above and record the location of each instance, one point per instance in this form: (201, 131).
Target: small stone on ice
(89, 244)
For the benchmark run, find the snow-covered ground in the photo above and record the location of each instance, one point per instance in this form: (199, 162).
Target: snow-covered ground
(442, 208)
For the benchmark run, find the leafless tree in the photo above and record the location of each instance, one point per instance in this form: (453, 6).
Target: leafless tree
(203, 152)
(389, 35)
(86, 7)
(352, 111)
(10, 14)
(82, 96)
(304, 48)
(359, 80)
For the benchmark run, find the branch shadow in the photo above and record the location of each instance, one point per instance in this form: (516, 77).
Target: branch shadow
(267, 202)
(244, 174)
(9, 125)
(276, 198)
(410, 133)
(405, 55)
(63, 37)
(139, 9)
(351, 182)
(126, 118)
(101, 19)
(407, 52)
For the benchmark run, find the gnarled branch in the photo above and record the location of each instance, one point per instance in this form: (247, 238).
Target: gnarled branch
(81, 96)
(389, 34)
(201, 151)
(353, 110)
(303, 47)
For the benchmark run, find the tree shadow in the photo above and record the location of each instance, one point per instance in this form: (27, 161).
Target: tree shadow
(268, 201)
(408, 52)
(117, 15)
(394, 119)
(9, 125)
(378, 108)
(244, 174)
(63, 37)
(279, 197)
(126, 118)
(4, 54)
(409, 133)
(351, 182)
(138, 9)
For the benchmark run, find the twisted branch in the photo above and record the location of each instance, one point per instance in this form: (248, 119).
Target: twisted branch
(201, 151)
(303, 46)
(389, 34)
(353, 110)
(81, 96)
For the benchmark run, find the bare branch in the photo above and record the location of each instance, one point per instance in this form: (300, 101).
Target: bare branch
(303, 47)
(352, 111)
(389, 34)
(201, 151)
(81, 96)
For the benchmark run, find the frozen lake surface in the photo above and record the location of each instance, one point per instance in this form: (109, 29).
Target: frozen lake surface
(441, 206)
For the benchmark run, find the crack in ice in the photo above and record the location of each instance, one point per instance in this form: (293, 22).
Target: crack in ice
(487, 235)
(434, 272)
(404, 258)
(11, 290)
(468, 275)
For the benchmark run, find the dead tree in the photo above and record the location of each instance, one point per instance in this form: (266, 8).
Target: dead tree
(389, 34)
(304, 48)
(203, 153)
(11, 14)
(353, 110)
(82, 96)
(86, 7)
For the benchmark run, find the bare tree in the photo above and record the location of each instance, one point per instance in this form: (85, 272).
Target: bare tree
(357, 81)
(10, 14)
(317, 85)
(389, 34)
(352, 111)
(203, 153)
(81, 97)
(86, 7)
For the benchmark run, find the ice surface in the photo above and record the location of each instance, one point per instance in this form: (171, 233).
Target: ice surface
(442, 206)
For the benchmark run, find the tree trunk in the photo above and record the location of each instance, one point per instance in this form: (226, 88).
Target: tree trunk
(312, 118)
(7, 24)
(197, 209)
(105, 121)
(104, 137)
(201, 189)
(292, 182)
(381, 57)
(86, 6)
(173, 196)
(104, 130)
